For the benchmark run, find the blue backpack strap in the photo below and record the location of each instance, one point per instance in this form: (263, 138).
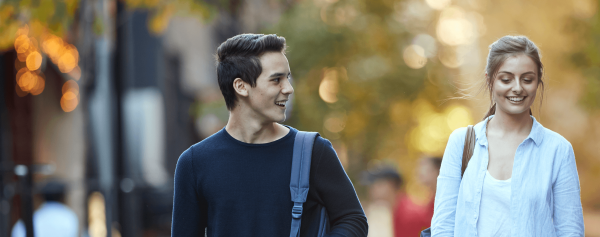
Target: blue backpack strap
(303, 145)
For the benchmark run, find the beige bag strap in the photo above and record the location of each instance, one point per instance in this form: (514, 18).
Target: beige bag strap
(468, 149)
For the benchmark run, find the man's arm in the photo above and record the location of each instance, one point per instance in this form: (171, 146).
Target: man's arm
(346, 215)
(189, 206)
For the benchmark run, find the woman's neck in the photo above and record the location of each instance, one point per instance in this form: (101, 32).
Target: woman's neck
(511, 124)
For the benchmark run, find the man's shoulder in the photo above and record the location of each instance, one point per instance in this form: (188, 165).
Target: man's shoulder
(212, 142)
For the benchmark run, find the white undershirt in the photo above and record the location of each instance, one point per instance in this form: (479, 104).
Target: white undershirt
(494, 212)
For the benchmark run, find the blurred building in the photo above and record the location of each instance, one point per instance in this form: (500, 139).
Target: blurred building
(114, 123)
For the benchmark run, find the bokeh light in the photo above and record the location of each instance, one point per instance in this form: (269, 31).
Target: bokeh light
(34, 61)
(438, 4)
(97, 215)
(329, 86)
(39, 86)
(414, 56)
(453, 28)
(22, 44)
(64, 55)
(449, 57)
(458, 116)
(434, 128)
(428, 43)
(27, 81)
(70, 96)
(75, 73)
(335, 122)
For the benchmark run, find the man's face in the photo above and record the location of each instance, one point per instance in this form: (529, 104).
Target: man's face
(382, 190)
(428, 173)
(269, 97)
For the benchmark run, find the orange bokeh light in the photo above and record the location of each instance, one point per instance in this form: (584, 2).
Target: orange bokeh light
(27, 81)
(39, 86)
(20, 72)
(22, 44)
(20, 92)
(63, 54)
(34, 61)
(75, 73)
(23, 30)
(52, 46)
(69, 101)
(71, 86)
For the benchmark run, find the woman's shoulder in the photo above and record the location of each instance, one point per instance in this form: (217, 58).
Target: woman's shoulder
(554, 139)
(459, 134)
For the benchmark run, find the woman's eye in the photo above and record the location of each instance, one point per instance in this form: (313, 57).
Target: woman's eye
(505, 79)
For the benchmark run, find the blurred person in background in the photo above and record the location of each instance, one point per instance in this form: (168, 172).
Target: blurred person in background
(391, 212)
(411, 218)
(429, 169)
(384, 185)
(237, 181)
(53, 218)
(522, 178)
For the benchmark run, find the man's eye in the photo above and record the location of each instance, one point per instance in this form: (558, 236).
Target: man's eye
(276, 79)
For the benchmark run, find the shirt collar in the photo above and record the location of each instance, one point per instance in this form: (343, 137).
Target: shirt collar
(536, 134)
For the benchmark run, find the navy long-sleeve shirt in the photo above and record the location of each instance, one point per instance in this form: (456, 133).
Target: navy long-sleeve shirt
(233, 188)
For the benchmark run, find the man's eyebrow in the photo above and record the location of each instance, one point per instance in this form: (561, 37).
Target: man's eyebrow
(279, 74)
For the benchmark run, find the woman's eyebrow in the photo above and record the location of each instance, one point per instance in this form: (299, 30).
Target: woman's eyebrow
(530, 72)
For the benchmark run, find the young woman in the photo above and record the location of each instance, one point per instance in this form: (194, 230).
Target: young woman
(522, 179)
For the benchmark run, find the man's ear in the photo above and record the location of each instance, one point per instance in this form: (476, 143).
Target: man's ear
(241, 87)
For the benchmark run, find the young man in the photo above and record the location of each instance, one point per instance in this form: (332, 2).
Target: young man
(237, 181)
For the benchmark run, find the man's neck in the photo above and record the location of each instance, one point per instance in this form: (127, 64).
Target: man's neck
(250, 130)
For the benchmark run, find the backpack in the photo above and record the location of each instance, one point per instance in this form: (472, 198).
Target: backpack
(299, 182)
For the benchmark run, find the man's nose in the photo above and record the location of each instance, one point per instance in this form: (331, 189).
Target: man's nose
(287, 88)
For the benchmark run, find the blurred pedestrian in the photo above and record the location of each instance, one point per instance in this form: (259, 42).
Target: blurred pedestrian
(521, 179)
(237, 181)
(53, 218)
(428, 171)
(411, 218)
(384, 186)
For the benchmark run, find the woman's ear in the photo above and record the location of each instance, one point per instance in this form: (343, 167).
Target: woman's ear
(240, 87)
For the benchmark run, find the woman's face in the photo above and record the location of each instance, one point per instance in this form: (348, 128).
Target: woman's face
(515, 85)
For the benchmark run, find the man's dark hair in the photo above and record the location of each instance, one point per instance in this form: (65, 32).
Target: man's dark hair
(436, 162)
(383, 172)
(238, 57)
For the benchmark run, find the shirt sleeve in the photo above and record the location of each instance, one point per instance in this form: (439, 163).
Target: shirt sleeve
(448, 183)
(346, 215)
(568, 214)
(189, 205)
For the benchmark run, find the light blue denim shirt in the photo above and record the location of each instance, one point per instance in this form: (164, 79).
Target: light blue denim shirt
(545, 199)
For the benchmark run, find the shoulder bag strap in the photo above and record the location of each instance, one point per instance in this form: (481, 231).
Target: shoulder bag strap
(301, 157)
(468, 149)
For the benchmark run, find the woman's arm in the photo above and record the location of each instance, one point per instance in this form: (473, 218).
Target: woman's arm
(448, 184)
(568, 215)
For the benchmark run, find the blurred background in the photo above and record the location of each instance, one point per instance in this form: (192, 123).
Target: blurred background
(104, 95)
